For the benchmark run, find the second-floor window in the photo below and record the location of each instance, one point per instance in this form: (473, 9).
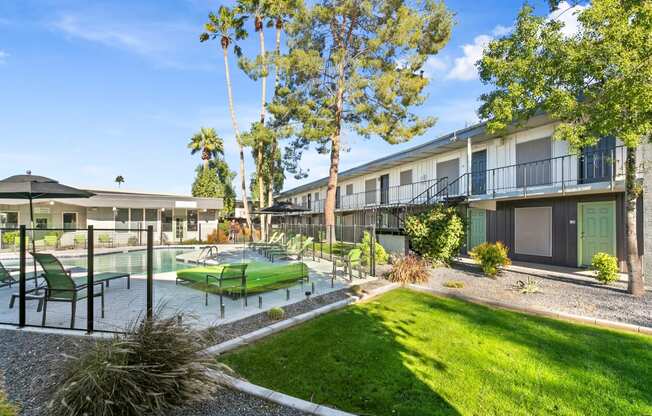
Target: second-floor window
(370, 191)
(533, 163)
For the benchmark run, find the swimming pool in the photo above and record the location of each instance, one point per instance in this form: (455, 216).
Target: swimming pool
(133, 262)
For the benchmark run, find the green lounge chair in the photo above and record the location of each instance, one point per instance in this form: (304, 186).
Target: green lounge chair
(105, 239)
(297, 250)
(232, 276)
(276, 239)
(291, 243)
(353, 260)
(17, 242)
(6, 279)
(51, 241)
(79, 239)
(61, 287)
(271, 238)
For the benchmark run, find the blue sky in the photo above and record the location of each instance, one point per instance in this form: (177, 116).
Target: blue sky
(93, 89)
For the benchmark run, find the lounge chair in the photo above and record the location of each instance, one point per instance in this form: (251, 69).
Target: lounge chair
(79, 239)
(291, 242)
(296, 250)
(276, 239)
(105, 239)
(353, 260)
(232, 276)
(51, 241)
(272, 238)
(6, 279)
(61, 287)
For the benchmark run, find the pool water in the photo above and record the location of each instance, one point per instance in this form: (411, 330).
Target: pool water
(133, 262)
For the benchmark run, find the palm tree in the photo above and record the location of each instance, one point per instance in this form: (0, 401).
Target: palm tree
(227, 25)
(208, 143)
(119, 180)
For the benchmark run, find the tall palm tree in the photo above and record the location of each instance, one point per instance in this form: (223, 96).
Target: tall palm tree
(208, 143)
(227, 26)
(119, 180)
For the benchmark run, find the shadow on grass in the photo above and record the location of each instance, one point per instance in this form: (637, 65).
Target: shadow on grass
(349, 360)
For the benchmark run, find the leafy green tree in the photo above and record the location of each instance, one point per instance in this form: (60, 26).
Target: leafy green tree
(216, 182)
(357, 64)
(596, 83)
(119, 180)
(227, 26)
(208, 143)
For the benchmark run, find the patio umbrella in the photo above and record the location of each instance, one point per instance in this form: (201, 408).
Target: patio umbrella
(33, 187)
(282, 208)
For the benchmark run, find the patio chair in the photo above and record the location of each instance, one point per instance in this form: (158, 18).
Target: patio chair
(232, 276)
(276, 239)
(51, 241)
(297, 250)
(6, 279)
(61, 287)
(353, 260)
(79, 239)
(105, 239)
(291, 243)
(272, 238)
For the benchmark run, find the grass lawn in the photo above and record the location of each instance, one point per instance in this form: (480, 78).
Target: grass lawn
(261, 277)
(339, 248)
(409, 353)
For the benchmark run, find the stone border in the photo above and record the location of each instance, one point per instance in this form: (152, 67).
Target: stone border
(274, 396)
(603, 323)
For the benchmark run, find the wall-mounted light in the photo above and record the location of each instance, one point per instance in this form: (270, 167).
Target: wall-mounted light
(162, 209)
(51, 202)
(114, 209)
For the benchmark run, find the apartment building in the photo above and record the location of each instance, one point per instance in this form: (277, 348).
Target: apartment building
(546, 203)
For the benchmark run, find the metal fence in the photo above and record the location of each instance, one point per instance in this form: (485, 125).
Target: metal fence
(49, 285)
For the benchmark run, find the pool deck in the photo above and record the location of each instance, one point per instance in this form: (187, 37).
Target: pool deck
(123, 306)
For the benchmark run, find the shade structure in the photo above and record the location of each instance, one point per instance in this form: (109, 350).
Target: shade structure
(38, 187)
(33, 187)
(281, 208)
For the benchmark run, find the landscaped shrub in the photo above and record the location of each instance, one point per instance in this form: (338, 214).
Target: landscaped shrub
(437, 235)
(365, 246)
(528, 286)
(9, 238)
(606, 267)
(491, 257)
(218, 236)
(6, 408)
(357, 290)
(154, 367)
(409, 269)
(276, 313)
(453, 284)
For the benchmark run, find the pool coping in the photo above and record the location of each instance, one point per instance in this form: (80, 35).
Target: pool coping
(116, 250)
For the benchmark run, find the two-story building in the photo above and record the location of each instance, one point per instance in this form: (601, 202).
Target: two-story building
(545, 202)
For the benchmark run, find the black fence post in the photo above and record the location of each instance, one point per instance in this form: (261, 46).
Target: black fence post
(372, 251)
(90, 277)
(150, 272)
(23, 281)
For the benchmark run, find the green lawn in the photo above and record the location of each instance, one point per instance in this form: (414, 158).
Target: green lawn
(261, 277)
(339, 248)
(409, 353)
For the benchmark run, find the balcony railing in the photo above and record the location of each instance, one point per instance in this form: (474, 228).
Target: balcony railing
(541, 176)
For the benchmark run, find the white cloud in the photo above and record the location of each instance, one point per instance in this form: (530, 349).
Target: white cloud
(501, 30)
(567, 14)
(464, 67)
(3, 56)
(167, 43)
(434, 65)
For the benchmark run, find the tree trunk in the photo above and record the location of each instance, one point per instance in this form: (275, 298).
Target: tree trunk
(635, 285)
(234, 121)
(273, 144)
(261, 159)
(331, 188)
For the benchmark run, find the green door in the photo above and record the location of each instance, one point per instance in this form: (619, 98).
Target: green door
(597, 230)
(477, 227)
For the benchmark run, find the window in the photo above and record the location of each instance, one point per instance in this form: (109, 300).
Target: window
(406, 177)
(151, 217)
(137, 219)
(8, 220)
(370, 191)
(349, 189)
(41, 223)
(309, 198)
(166, 221)
(69, 220)
(122, 219)
(533, 231)
(316, 197)
(192, 220)
(533, 162)
(338, 198)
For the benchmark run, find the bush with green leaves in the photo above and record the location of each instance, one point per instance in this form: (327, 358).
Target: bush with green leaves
(156, 366)
(365, 246)
(606, 267)
(491, 257)
(408, 270)
(453, 284)
(6, 408)
(437, 234)
(9, 237)
(276, 313)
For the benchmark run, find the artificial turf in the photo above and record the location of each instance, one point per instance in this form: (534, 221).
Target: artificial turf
(413, 354)
(261, 277)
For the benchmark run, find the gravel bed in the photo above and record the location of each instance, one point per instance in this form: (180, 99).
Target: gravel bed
(234, 403)
(560, 294)
(221, 333)
(31, 362)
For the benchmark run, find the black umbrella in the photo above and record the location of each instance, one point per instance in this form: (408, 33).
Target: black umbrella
(33, 187)
(282, 208)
